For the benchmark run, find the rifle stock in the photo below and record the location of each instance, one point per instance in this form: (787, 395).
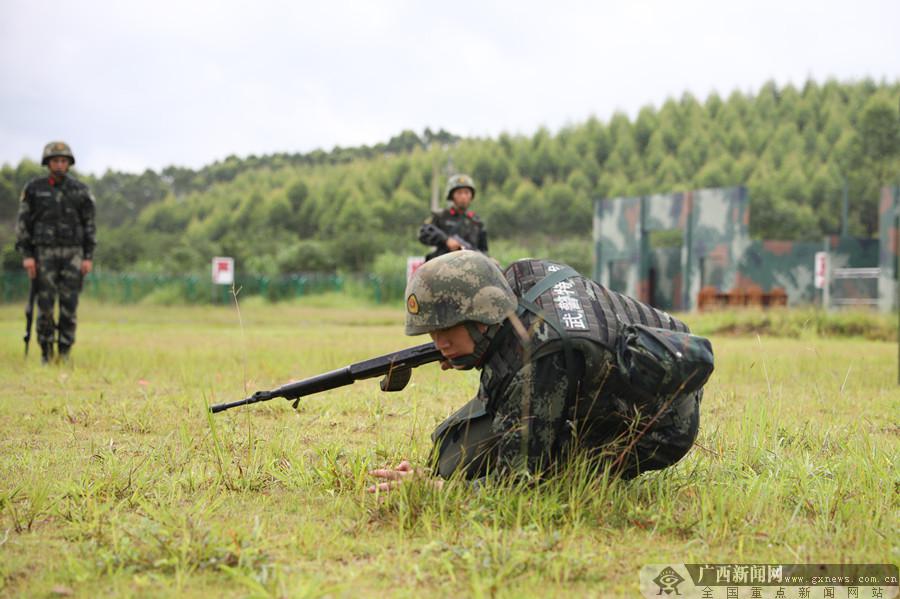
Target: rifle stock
(395, 367)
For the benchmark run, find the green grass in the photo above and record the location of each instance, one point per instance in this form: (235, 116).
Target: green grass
(798, 323)
(114, 480)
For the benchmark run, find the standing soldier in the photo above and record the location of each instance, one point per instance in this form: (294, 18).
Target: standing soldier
(455, 227)
(566, 365)
(56, 234)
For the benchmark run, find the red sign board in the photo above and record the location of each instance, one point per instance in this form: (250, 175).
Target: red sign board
(223, 270)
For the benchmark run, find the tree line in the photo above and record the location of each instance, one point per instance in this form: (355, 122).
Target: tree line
(798, 150)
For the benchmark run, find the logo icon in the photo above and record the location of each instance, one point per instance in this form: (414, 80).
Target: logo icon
(412, 304)
(668, 581)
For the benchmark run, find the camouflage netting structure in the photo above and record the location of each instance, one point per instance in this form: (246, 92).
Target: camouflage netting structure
(889, 248)
(663, 249)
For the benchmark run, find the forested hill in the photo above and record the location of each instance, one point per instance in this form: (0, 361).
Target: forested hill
(793, 148)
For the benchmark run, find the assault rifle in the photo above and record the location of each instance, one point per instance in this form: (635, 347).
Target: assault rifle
(432, 235)
(29, 312)
(395, 367)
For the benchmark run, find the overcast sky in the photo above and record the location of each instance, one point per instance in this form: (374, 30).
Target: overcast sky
(138, 84)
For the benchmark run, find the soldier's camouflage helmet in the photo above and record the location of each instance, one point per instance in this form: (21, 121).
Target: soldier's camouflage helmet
(57, 148)
(454, 288)
(458, 181)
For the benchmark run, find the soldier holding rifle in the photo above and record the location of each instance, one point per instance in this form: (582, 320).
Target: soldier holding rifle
(56, 234)
(566, 365)
(457, 227)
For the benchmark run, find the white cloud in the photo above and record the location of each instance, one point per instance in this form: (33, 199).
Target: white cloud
(147, 84)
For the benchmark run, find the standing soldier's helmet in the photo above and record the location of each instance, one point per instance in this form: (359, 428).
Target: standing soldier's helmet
(458, 181)
(458, 287)
(57, 148)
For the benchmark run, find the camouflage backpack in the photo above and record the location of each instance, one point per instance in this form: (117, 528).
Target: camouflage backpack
(658, 364)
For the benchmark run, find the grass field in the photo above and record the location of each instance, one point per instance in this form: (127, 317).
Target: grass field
(114, 481)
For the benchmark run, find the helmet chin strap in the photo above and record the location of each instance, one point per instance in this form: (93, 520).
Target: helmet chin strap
(482, 343)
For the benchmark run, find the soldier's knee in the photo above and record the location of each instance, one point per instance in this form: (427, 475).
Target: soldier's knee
(685, 424)
(671, 439)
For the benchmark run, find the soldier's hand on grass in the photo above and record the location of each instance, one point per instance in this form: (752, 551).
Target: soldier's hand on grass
(30, 265)
(394, 477)
(86, 266)
(453, 245)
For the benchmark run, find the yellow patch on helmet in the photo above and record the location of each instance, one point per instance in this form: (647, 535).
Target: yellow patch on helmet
(412, 304)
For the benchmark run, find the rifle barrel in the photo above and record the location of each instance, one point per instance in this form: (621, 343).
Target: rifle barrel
(227, 406)
(382, 365)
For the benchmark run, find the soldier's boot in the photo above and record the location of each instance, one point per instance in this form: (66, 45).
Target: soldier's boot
(46, 353)
(64, 351)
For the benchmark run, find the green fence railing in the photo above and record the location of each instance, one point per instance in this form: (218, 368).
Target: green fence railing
(193, 289)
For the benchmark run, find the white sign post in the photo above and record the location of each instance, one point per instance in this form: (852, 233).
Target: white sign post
(820, 276)
(413, 263)
(821, 269)
(222, 270)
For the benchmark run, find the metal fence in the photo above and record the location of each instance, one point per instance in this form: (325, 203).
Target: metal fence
(129, 288)
(853, 287)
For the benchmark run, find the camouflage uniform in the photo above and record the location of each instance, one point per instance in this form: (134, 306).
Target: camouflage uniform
(56, 226)
(453, 221)
(538, 400)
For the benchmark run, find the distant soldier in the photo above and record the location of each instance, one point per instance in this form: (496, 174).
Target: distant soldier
(566, 365)
(56, 234)
(456, 227)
